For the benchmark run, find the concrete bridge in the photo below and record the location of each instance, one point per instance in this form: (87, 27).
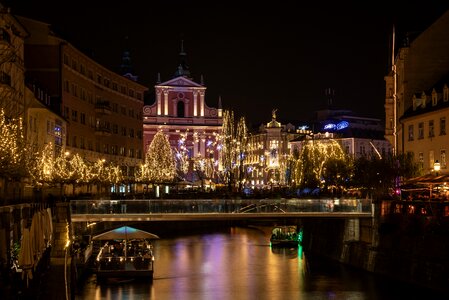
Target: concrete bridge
(217, 209)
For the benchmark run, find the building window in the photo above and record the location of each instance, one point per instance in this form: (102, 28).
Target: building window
(123, 131)
(74, 141)
(410, 132)
(431, 129)
(90, 145)
(74, 65)
(74, 115)
(123, 110)
(5, 78)
(445, 93)
(67, 86)
(443, 126)
(131, 133)
(131, 93)
(83, 118)
(362, 150)
(443, 158)
(180, 109)
(82, 69)
(66, 59)
(138, 153)
(82, 143)
(99, 79)
(114, 128)
(131, 152)
(122, 151)
(114, 86)
(421, 130)
(114, 149)
(139, 96)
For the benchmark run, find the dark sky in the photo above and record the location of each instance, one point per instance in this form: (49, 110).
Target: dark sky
(282, 55)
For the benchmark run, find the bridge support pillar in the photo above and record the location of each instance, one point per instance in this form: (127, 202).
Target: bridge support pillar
(351, 234)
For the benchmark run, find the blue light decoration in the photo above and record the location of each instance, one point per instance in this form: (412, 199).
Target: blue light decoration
(303, 127)
(330, 126)
(339, 126)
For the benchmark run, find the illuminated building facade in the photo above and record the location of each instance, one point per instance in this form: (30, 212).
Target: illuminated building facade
(418, 64)
(181, 112)
(268, 151)
(358, 136)
(12, 82)
(425, 127)
(103, 109)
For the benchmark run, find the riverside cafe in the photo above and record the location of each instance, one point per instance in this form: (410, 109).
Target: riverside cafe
(427, 187)
(426, 195)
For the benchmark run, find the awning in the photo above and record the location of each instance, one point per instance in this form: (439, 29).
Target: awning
(125, 233)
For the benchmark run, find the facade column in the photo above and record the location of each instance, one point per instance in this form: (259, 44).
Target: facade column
(159, 104)
(195, 144)
(165, 103)
(203, 146)
(195, 105)
(175, 108)
(186, 108)
(202, 103)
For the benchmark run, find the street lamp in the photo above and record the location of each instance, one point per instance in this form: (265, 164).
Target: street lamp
(436, 167)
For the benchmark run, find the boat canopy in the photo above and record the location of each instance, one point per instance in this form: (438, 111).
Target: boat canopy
(125, 233)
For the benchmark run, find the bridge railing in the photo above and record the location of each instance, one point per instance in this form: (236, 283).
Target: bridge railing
(209, 206)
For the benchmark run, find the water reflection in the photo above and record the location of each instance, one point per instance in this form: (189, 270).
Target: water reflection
(240, 264)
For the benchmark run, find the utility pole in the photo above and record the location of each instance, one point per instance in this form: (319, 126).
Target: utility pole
(395, 117)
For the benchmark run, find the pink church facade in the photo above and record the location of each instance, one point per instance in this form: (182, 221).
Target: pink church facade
(181, 112)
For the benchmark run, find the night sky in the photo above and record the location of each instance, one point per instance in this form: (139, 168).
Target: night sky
(257, 57)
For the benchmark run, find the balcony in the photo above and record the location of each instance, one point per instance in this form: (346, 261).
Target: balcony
(103, 108)
(102, 131)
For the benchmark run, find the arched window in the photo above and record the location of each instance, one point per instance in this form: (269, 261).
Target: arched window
(180, 109)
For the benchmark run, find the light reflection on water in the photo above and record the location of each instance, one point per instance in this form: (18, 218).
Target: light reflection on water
(240, 264)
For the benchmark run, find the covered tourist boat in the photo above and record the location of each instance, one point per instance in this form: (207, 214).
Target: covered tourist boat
(125, 252)
(285, 236)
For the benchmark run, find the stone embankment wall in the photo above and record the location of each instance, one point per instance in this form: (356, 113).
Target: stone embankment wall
(410, 248)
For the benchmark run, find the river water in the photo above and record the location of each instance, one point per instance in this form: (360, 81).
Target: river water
(240, 264)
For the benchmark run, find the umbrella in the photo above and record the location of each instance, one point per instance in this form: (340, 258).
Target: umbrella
(124, 233)
(26, 259)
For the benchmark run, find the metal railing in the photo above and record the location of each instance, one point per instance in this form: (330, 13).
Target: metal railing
(189, 207)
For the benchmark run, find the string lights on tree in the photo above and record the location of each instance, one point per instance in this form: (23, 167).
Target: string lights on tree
(160, 166)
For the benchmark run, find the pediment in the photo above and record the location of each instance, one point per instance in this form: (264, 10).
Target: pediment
(180, 81)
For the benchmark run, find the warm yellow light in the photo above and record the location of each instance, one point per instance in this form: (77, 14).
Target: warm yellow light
(436, 166)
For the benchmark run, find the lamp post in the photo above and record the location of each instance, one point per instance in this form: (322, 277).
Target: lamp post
(436, 167)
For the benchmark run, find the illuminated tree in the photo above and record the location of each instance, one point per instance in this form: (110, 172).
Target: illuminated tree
(234, 143)
(14, 151)
(315, 156)
(182, 157)
(242, 149)
(41, 168)
(159, 164)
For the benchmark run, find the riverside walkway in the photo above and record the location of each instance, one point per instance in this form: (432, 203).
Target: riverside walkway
(217, 209)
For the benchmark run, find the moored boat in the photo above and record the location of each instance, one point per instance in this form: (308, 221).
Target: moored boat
(285, 236)
(126, 252)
